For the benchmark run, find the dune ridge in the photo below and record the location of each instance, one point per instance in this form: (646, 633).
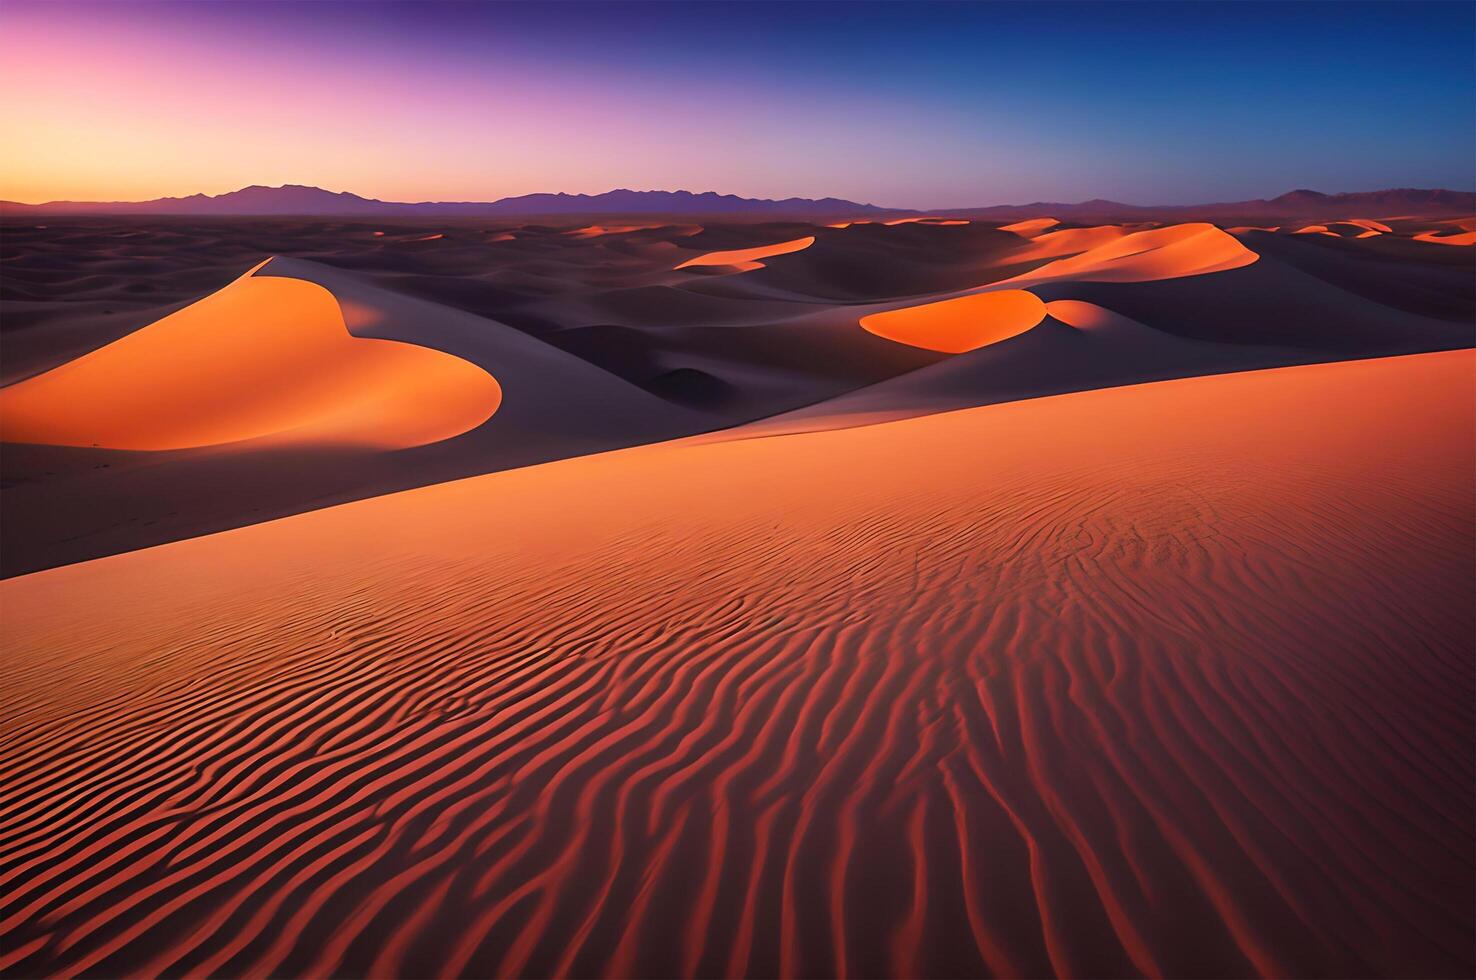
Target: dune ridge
(746, 259)
(1141, 256)
(1171, 680)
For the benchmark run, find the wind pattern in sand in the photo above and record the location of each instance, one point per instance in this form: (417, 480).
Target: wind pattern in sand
(1167, 679)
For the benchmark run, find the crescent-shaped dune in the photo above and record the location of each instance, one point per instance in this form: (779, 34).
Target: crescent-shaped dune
(962, 324)
(746, 259)
(1143, 256)
(1167, 680)
(267, 359)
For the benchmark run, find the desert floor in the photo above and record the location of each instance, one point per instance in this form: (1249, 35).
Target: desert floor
(651, 598)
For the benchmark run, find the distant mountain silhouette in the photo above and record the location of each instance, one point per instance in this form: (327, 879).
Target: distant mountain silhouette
(297, 200)
(1292, 205)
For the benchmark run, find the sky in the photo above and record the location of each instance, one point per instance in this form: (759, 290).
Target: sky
(915, 105)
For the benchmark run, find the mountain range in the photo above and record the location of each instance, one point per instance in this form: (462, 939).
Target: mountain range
(295, 200)
(1292, 205)
(298, 200)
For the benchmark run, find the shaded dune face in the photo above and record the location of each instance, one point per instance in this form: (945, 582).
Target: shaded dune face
(963, 324)
(1108, 253)
(1166, 680)
(746, 259)
(265, 359)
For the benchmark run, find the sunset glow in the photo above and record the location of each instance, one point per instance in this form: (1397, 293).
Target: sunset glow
(906, 105)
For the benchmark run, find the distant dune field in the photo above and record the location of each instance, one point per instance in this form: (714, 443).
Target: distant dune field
(1161, 679)
(171, 377)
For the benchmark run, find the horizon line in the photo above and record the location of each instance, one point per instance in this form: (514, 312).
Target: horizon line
(715, 193)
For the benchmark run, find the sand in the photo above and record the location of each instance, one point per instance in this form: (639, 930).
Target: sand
(1030, 227)
(746, 259)
(1156, 253)
(957, 325)
(1170, 679)
(597, 342)
(265, 359)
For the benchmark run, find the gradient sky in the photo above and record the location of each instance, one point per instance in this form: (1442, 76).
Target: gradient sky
(907, 105)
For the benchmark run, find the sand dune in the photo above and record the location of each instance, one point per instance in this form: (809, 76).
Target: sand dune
(1078, 346)
(265, 359)
(1169, 680)
(746, 259)
(599, 231)
(1447, 238)
(1354, 228)
(1030, 227)
(962, 324)
(1050, 244)
(597, 343)
(82, 502)
(944, 222)
(1155, 253)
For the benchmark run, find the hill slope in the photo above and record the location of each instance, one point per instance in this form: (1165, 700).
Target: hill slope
(1167, 680)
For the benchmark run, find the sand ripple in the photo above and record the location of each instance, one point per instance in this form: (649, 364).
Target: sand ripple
(1173, 679)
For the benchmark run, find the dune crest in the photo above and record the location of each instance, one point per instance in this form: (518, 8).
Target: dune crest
(266, 358)
(1030, 227)
(1067, 241)
(599, 231)
(961, 324)
(746, 259)
(1194, 249)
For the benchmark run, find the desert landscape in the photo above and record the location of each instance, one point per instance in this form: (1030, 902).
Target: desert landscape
(912, 597)
(418, 559)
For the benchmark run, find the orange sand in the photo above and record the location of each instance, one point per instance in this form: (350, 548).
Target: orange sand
(746, 259)
(1167, 680)
(957, 325)
(1143, 256)
(266, 359)
(1030, 227)
(599, 231)
(1461, 238)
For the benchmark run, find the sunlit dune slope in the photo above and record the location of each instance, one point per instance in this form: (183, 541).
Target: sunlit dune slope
(1047, 244)
(1077, 346)
(747, 259)
(1442, 238)
(599, 231)
(1031, 226)
(266, 359)
(1168, 680)
(1156, 253)
(961, 324)
(70, 504)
